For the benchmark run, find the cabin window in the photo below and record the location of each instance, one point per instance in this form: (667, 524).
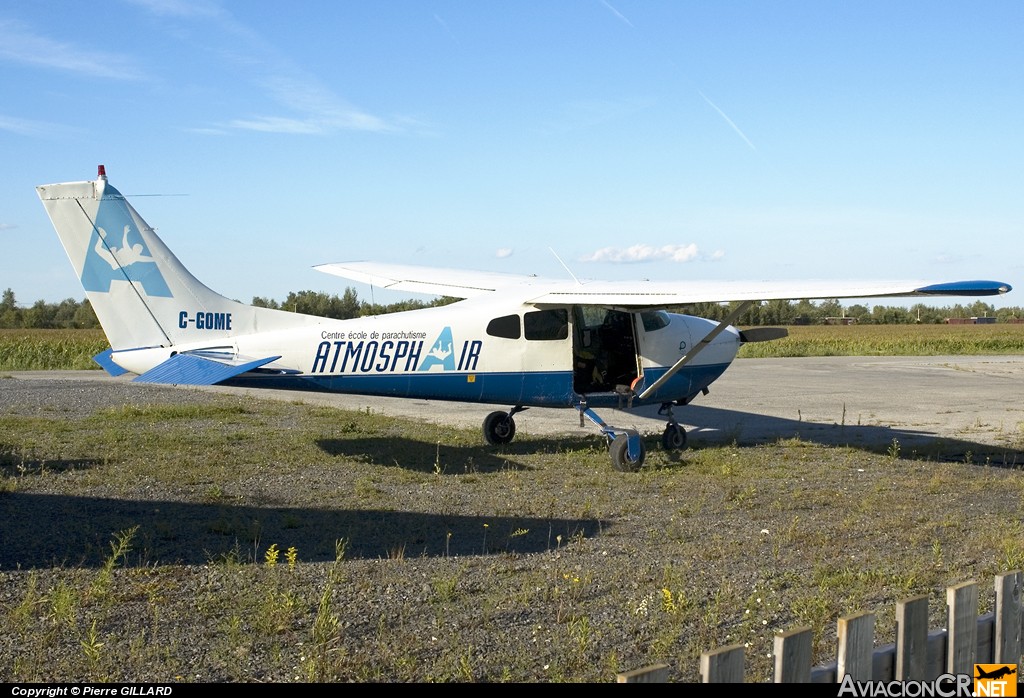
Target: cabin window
(507, 327)
(654, 320)
(547, 324)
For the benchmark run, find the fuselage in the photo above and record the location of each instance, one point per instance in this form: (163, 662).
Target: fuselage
(473, 350)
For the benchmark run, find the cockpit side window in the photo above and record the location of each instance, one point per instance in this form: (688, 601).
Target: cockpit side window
(546, 324)
(654, 320)
(506, 326)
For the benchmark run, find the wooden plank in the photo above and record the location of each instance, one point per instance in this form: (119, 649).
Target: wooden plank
(1008, 644)
(962, 600)
(937, 643)
(824, 674)
(656, 673)
(912, 639)
(856, 642)
(986, 637)
(724, 665)
(883, 663)
(793, 656)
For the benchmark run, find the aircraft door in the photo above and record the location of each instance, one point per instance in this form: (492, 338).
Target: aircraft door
(604, 350)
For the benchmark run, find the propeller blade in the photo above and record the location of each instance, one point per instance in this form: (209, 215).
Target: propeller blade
(763, 334)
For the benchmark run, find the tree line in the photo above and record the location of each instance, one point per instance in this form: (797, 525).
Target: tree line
(72, 314)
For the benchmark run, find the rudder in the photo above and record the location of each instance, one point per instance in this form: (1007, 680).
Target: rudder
(136, 286)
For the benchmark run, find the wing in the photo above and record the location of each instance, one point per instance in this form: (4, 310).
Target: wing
(669, 294)
(438, 281)
(639, 294)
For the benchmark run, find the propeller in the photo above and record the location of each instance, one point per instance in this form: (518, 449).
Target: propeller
(763, 334)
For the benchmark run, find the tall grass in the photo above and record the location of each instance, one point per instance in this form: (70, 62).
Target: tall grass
(892, 340)
(50, 350)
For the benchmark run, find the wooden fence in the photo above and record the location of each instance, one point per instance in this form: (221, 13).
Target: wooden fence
(918, 653)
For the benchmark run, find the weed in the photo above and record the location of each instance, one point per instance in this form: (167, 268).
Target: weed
(92, 647)
(119, 548)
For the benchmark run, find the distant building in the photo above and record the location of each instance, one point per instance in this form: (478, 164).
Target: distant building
(840, 321)
(970, 320)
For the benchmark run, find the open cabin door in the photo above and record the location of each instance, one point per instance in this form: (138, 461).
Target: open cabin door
(604, 349)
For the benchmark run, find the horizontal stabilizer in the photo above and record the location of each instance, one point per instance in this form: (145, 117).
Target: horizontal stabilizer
(190, 369)
(763, 334)
(104, 360)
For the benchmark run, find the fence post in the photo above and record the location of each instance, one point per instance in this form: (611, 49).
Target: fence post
(856, 645)
(656, 673)
(962, 600)
(1009, 618)
(912, 638)
(793, 656)
(724, 665)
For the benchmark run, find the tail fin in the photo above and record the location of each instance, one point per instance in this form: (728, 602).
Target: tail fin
(142, 295)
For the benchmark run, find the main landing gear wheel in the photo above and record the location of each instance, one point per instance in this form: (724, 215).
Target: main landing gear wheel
(674, 437)
(619, 451)
(499, 428)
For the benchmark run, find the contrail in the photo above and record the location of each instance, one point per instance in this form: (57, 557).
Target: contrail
(616, 13)
(728, 120)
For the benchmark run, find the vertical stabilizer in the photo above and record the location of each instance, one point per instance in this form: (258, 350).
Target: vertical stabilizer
(142, 295)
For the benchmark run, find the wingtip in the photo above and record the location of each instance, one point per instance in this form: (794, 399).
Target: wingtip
(967, 288)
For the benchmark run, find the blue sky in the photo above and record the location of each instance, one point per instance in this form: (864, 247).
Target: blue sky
(661, 140)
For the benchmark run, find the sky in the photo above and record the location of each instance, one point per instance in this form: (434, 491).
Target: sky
(610, 139)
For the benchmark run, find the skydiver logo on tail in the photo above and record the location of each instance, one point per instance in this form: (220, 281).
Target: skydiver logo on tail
(117, 250)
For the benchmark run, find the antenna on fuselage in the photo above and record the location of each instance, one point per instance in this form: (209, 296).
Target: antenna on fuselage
(564, 265)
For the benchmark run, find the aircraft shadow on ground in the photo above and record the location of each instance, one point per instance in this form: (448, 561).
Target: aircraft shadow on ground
(44, 531)
(721, 426)
(452, 459)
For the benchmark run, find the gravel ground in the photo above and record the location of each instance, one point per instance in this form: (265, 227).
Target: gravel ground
(535, 565)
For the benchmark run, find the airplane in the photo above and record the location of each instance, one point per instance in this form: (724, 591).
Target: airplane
(999, 673)
(515, 340)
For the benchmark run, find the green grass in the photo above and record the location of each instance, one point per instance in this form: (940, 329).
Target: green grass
(225, 539)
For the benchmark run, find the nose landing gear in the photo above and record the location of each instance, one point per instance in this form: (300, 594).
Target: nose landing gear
(674, 436)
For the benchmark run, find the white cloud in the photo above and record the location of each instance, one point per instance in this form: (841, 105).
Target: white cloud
(643, 253)
(503, 252)
(21, 126)
(309, 105)
(320, 110)
(21, 44)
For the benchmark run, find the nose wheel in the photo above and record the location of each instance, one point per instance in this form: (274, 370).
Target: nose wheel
(674, 436)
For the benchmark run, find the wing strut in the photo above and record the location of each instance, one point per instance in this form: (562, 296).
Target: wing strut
(697, 348)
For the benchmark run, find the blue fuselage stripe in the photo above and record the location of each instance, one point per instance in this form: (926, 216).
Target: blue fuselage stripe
(539, 389)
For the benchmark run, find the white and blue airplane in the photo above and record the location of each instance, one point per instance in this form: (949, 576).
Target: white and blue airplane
(512, 340)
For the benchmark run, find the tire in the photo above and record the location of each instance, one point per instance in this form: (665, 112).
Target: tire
(618, 449)
(674, 438)
(499, 428)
